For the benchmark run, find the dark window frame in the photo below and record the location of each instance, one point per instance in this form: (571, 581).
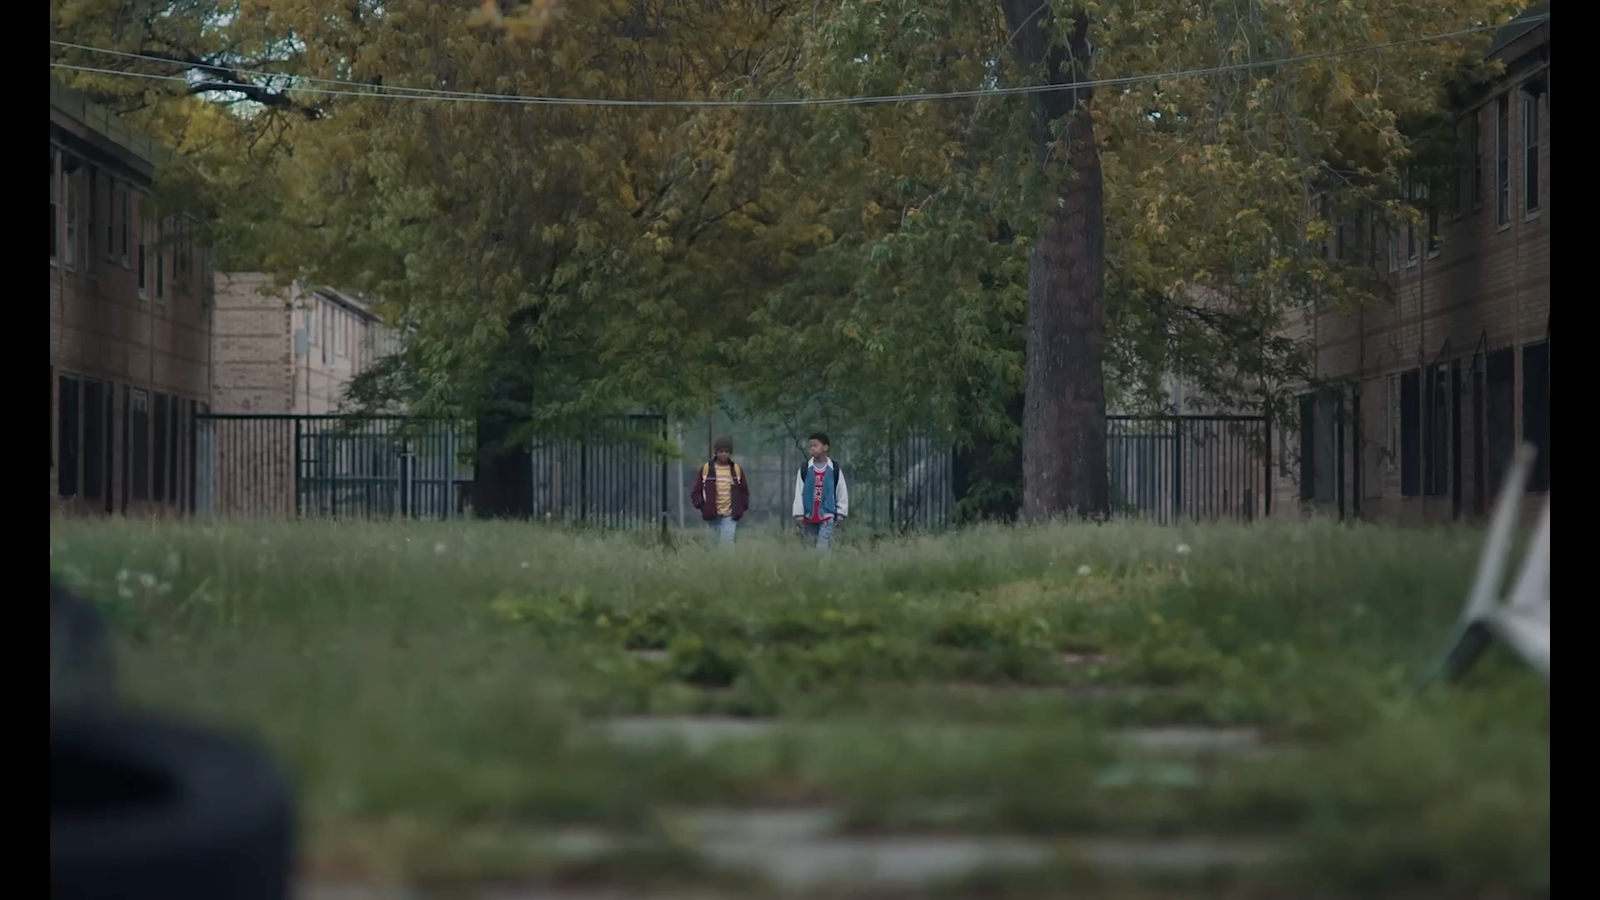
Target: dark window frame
(139, 453)
(1436, 431)
(55, 205)
(94, 440)
(1410, 433)
(68, 433)
(1499, 415)
(1536, 412)
(159, 450)
(1502, 160)
(1530, 154)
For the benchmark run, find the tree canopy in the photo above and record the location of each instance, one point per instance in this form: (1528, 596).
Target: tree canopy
(865, 262)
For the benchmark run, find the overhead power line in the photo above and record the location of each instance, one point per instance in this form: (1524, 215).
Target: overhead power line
(362, 89)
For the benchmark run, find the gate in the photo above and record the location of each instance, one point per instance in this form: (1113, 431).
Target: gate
(386, 467)
(344, 467)
(1194, 467)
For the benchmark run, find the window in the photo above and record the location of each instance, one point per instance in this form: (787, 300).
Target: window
(70, 251)
(55, 214)
(175, 422)
(161, 263)
(1372, 241)
(111, 217)
(1347, 239)
(139, 452)
(1465, 194)
(193, 452)
(144, 259)
(1536, 411)
(1391, 405)
(1433, 223)
(1499, 403)
(1410, 459)
(1530, 154)
(67, 437)
(94, 439)
(162, 447)
(1411, 228)
(327, 331)
(1475, 149)
(127, 220)
(1322, 213)
(1502, 161)
(91, 232)
(1394, 249)
(1319, 446)
(1436, 432)
(339, 334)
(180, 255)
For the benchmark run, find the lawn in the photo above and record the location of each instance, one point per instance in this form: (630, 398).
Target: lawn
(476, 706)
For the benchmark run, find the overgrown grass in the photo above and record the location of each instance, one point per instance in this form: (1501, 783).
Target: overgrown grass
(428, 686)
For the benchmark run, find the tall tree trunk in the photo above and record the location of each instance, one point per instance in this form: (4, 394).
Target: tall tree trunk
(1064, 418)
(502, 480)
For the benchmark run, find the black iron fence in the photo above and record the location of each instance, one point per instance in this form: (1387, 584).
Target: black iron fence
(358, 467)
(1194, 467)
(612, 478)
(907, 486)
(1165, 468)
(377, 467)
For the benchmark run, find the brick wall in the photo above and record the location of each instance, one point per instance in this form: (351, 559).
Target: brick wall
(1485, 289)
(253, 345)
(110, 341)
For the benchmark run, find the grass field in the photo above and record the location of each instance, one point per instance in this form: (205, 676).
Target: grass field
(448, 698)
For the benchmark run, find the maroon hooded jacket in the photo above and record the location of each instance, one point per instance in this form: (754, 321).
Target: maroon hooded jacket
(704, 492)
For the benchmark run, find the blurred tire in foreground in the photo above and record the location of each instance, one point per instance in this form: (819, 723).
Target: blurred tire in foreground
(141, 808)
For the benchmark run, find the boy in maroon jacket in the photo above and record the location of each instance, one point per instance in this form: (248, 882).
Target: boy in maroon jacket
(721, 493)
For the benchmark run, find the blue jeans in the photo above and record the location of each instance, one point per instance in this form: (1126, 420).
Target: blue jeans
(818, 534)
(722, 529)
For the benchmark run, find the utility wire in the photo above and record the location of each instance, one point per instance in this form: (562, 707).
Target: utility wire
(407, 93)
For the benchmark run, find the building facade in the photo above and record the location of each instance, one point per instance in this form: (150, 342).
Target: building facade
(130, 323)
(289, 350)
(1440, 384)
(283, 353)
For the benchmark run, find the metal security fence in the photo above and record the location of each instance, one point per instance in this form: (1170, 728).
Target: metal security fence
(612, 478)
(350, 467)
(1193, 467)
(906, 486)
(378, 467)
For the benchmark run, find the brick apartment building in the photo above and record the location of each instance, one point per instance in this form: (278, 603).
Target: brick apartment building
(281, 352)
(130, 323)
(288, 350)
(1442, 382)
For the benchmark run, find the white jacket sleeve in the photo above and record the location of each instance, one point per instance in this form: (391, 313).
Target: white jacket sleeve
(841, 502)
(799, 494)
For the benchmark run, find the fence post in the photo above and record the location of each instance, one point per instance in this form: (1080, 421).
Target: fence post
(294, 480)
(1267, 456)
(449, 492)
(405, 479)
(1177, 469)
